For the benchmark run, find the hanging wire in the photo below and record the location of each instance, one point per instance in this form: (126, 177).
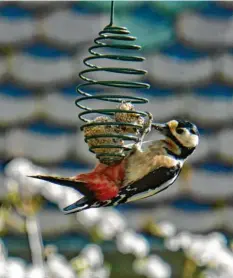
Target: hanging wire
(108, 144)
(112, 13)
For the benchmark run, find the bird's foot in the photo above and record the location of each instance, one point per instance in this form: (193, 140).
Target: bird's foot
(136, 147)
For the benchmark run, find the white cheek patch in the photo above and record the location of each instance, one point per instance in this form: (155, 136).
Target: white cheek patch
(191, 141)
(194, 140)
(188, 139)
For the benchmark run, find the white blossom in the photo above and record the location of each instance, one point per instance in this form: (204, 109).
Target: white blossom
(130, 242)
(93, 254)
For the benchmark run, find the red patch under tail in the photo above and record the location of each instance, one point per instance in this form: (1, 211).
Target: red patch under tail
(104, 180)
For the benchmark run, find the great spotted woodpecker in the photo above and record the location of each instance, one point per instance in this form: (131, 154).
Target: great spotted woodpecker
(142, 174)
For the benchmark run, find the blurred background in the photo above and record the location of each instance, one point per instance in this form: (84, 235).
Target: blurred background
(185, 231)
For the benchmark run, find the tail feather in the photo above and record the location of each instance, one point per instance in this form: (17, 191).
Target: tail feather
(69, 182)
(77, 206)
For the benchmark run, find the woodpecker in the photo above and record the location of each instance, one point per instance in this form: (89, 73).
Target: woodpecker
(142, 174)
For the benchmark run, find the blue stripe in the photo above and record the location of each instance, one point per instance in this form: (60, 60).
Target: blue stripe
(179, 51)
(215, 90)
(74, 242)
(69, 90)
(72, 90)
(12, 12)
(11, 90)
(47, 129)
(216, 167)
(45, 51)
(214, 9)
(68, 242)
(190, 205)
(156, 92)
(73, 165)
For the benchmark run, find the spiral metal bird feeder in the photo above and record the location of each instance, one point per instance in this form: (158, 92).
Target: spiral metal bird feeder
(107, 134)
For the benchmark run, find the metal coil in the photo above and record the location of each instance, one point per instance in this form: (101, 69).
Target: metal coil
(116, 38)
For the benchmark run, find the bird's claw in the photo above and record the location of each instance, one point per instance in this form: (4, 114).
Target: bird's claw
(136, 147)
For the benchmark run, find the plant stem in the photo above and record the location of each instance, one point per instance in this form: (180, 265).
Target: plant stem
(35, 241)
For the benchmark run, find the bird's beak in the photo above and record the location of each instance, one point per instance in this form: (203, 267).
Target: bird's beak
(162, 128)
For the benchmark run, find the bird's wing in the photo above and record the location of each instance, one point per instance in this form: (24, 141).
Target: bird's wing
(141, 164)
(152, 183)
(69, 182)
(155, 178)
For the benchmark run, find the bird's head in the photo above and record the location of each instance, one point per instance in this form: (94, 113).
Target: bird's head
(183, 133)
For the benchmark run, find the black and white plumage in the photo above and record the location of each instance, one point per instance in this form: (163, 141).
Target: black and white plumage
(146, 172)
(153, 183)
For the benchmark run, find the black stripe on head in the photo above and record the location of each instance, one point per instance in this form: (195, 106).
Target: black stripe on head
(185, 152)
(186, 124)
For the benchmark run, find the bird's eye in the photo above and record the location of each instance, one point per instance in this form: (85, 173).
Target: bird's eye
(179, 130)
(192, 131)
